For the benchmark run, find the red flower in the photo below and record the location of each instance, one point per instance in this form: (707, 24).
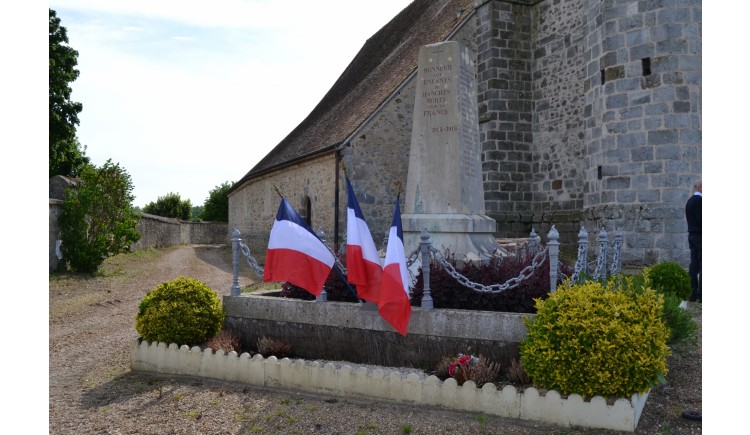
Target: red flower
(451, 369)
(464, 360)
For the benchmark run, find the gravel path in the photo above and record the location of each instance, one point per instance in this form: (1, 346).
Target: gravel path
(93, 391)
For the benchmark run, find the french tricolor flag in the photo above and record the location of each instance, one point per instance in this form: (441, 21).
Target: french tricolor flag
(362, 260)
(394, 305)
(295, 254)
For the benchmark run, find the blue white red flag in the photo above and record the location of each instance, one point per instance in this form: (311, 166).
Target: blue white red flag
(394, 305)
(362, 260)
(295, 254)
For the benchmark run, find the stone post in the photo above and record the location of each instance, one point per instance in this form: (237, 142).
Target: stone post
(553, 245)
(581, 266)
(424, 248)
(235, 262)
(602, 261)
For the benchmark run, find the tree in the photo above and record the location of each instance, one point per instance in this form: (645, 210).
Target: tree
(196, 215)
(66, 156)
(216, 206)
(171, 206)
(98, 219)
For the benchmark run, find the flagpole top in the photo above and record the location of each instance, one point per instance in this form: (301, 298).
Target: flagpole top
(278, 191)
(399, 187)
(343, 168)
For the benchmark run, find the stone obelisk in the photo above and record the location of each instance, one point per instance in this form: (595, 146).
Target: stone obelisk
(444, 192)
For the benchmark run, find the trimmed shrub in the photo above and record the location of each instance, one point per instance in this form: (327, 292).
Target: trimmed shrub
(181, 311)
(597, 339)
(669, 277)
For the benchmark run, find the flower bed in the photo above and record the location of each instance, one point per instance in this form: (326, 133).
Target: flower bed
(346, 381)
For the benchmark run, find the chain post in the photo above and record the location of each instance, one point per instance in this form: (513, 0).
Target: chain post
(553, 245)
(603, 247)
(235, 262)
(425, 246)
(581, 266)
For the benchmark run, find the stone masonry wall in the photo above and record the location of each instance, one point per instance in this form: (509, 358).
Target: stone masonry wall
(643, 121)
(253, 207)
(155, 231)
(504, 73)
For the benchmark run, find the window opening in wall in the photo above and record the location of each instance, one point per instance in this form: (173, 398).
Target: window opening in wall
(646, 66)
(602, 73)
(308, 212)
(599, 172)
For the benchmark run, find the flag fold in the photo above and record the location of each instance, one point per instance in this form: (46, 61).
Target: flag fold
(394, 305)
(295, 254)
(363, 267)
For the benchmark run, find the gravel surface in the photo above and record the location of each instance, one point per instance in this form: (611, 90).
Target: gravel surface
(93, 391)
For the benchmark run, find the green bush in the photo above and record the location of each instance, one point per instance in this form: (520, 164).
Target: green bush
(597, 339)
(98, 220)
(669, 277)
(181, 311)
(682, 328)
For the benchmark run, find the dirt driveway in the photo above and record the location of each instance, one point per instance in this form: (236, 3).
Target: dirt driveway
(91, 388)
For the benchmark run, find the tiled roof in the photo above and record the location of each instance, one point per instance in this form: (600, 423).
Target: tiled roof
(380, 67)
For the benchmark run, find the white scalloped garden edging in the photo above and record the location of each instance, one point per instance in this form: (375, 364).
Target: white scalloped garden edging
(311, 377)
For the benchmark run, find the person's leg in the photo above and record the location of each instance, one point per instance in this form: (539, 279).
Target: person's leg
(694, 242)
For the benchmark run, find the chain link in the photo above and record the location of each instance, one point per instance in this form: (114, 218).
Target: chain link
(250, 259)
(529, 270)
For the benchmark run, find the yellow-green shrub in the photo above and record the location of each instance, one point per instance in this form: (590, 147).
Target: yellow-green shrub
(181, 311)
(597, 339)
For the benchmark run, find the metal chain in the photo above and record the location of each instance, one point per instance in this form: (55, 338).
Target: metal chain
(250, 259)
(537, 261)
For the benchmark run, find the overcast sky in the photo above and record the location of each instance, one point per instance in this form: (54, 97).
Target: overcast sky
(186, 95)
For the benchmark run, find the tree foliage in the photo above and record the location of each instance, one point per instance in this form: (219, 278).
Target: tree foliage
(98, 219)
(66, 156)
(216, 206)
(171, 206)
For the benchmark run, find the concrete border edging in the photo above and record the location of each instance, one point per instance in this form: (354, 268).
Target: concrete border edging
(311, 377)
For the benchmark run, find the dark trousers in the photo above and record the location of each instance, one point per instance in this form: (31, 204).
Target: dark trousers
(694, 241)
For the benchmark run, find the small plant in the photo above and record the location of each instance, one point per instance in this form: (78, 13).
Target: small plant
(407, 428)
(270, 346)
(682, 328)
(181, 311)
(225, 340)
(516, 373)
(482, 419)
(597, 339)
(669, 277)
(467, 367)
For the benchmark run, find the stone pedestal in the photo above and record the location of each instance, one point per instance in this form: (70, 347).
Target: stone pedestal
(444, 192)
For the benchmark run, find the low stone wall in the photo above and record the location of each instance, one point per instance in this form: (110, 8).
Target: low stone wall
(155, 231)
(55, 210)
(348, 331)
(391, 385)
(158, 232)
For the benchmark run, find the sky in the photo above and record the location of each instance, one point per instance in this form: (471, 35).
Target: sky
(186, 97)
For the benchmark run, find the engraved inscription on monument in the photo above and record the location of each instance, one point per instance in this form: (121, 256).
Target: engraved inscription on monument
(444, 191)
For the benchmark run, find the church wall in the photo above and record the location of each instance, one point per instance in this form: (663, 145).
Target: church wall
(643, 122)
(253, 207)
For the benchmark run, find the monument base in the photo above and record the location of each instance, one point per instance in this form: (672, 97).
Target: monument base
(466, 237)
